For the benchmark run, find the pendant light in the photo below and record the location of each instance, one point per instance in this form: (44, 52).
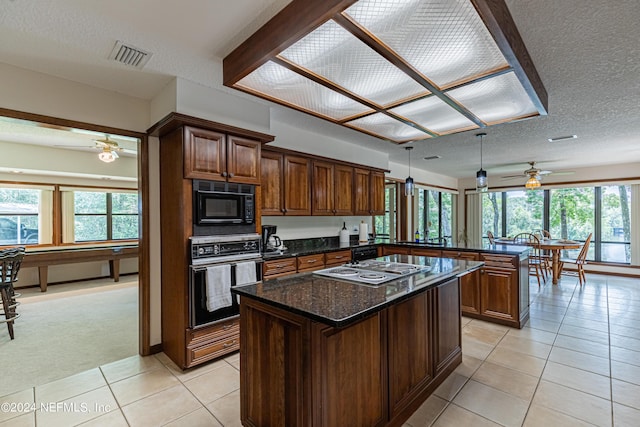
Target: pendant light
(481, 175)
(408, 183)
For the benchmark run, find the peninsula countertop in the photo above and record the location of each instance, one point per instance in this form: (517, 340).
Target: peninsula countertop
(339, 302)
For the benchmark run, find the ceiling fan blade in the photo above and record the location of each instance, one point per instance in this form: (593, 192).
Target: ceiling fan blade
(544, 172)
(115, 154)
(126, 150)
(513, 176)
(562, 173)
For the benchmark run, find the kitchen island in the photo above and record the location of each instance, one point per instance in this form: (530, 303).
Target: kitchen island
(319, 351)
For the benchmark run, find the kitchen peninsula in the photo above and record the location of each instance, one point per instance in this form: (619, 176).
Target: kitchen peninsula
(322, 351)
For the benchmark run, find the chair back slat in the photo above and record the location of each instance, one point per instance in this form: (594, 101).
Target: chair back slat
(582, 256)
(490, 236)
(10, 261)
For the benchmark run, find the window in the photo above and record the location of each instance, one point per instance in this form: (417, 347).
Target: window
(434, 215)
(105, 216)
(19, 209)
(568, 213)
(386, 225)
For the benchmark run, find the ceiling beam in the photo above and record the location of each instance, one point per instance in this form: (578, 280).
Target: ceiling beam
(497, 18)
(295, 21)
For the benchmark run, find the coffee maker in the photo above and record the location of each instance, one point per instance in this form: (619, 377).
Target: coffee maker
(270, 242)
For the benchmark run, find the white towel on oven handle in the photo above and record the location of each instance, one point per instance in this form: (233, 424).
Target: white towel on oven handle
(245, 274)
(218, 287)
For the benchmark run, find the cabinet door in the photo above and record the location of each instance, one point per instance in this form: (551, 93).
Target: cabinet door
(323, 188)
(204, 154)
(271, 171)
(447, 310)
(362, 196)
(297, 197)
(377, 193)
(243, 160)
(410, 354)
(470, 293)
(498, 293)
(343, 186)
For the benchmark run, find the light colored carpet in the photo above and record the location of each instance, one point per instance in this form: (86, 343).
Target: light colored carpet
(63, 333)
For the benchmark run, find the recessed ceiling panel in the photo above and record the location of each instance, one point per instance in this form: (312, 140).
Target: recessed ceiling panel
(495, 99)
(280, 83)
(444, 39)
(337, 55)
(387, 127)
(434, 115)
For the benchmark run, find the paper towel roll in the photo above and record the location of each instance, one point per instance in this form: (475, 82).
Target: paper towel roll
(364, 232)
(344, 236)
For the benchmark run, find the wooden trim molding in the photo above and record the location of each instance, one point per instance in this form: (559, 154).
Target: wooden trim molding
(322, 158)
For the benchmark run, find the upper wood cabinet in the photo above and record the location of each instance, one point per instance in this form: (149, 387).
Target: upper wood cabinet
(298, 184)
(332, 188)
(369, 192)
(285, 184)
(220, 157)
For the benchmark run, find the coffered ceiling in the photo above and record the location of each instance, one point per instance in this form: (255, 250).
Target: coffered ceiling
(585, 54)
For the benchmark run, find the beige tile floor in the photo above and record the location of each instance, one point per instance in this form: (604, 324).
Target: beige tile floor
(576, 363)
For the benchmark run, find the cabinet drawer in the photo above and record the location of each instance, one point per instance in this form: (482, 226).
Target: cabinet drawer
(211, 350)
(426, 252)
(500, 261)
(392, 250)
(461, 255)
(213, 332)
(278, 267)
(310, 262)
(339, 257)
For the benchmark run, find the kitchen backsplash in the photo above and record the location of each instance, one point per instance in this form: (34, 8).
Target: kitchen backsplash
(301, 227)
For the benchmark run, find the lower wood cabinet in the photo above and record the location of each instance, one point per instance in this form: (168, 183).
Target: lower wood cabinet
(310, 262)
(426, 252)
(375, 372)
(391, 250)
(337, 257)
(469, 284)
(279, 267)
(212, 341)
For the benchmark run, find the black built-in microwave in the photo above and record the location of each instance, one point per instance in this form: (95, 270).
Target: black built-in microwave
(223, 208)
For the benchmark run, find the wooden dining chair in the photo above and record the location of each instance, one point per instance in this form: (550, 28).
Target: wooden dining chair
(10, 261)
(545, 255)
(491, 238)
(580, 261)
(535, 261)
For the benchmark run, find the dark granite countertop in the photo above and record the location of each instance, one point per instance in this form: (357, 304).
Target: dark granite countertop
(341, 302)
(329, 244)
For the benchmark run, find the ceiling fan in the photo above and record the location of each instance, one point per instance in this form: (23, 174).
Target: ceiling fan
(534, 175)
(108, 149)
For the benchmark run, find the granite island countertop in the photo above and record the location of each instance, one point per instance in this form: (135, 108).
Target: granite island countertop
(338, 302)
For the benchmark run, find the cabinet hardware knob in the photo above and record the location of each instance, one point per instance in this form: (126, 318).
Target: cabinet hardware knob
(312, 261)
(224, 174)
(231, 175)
(339, 257)
(229, 344)
(227, 327)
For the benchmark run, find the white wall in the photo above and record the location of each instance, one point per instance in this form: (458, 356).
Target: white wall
(304, 227)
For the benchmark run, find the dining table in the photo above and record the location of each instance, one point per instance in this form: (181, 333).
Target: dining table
(554, 246)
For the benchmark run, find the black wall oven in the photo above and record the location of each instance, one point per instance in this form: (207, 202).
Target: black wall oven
(233, 252)
(223, 208)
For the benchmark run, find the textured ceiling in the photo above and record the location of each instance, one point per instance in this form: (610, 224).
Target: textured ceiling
(585, 52)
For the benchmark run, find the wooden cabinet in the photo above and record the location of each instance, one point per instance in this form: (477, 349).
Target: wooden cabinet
(437, 253)
(207, 343)
(337, 257)
(220, 157)
(504, 289)
(310, 262)
(285, 184)
(193, 148)
(369, 192)
(410, 327)
(332, 189)
(279, 267)
(469, 284)
(375, 372)
(391, 249)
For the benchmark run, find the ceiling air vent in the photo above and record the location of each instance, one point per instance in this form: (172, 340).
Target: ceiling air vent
(432, 157)
(562, 138)
(129, 55)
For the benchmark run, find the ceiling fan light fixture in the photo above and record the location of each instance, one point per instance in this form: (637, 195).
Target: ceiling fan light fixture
(107, 156)
(409, 186)
(532, 183)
